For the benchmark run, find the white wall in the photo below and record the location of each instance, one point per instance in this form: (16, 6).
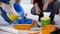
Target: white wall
(25, 1)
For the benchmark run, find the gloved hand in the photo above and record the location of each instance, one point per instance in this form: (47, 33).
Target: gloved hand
(8, 9)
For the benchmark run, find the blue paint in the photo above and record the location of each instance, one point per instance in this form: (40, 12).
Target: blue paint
(24, 21)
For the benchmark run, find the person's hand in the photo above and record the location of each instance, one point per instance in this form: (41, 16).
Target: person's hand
(37, 10)
(9, 12)
(59, 14)
(8, 9)
(50, 1)
(45, 6)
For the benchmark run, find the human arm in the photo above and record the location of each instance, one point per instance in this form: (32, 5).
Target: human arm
(59, 9)
(46, 4)
(35, 3)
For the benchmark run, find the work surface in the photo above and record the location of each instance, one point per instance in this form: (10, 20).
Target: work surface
(19, 32)
(7, 29)
(10, 30)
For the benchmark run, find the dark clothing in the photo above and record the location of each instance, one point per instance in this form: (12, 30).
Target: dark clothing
(5, 1)
(56, 32)
(50, 8)
(57, 6)
(39, 1)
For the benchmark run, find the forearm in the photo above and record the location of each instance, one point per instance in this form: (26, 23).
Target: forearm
(47, 3)
(50, 1)
(59, 10)
(37, 9)
(35, 4)
(0, 3)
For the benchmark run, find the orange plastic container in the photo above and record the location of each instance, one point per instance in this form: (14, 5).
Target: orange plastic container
(47, 29)
(23, 26)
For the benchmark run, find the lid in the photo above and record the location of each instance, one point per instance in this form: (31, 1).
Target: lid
(45, 18)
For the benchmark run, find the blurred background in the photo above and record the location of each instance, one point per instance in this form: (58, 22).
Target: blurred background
(27, 5)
